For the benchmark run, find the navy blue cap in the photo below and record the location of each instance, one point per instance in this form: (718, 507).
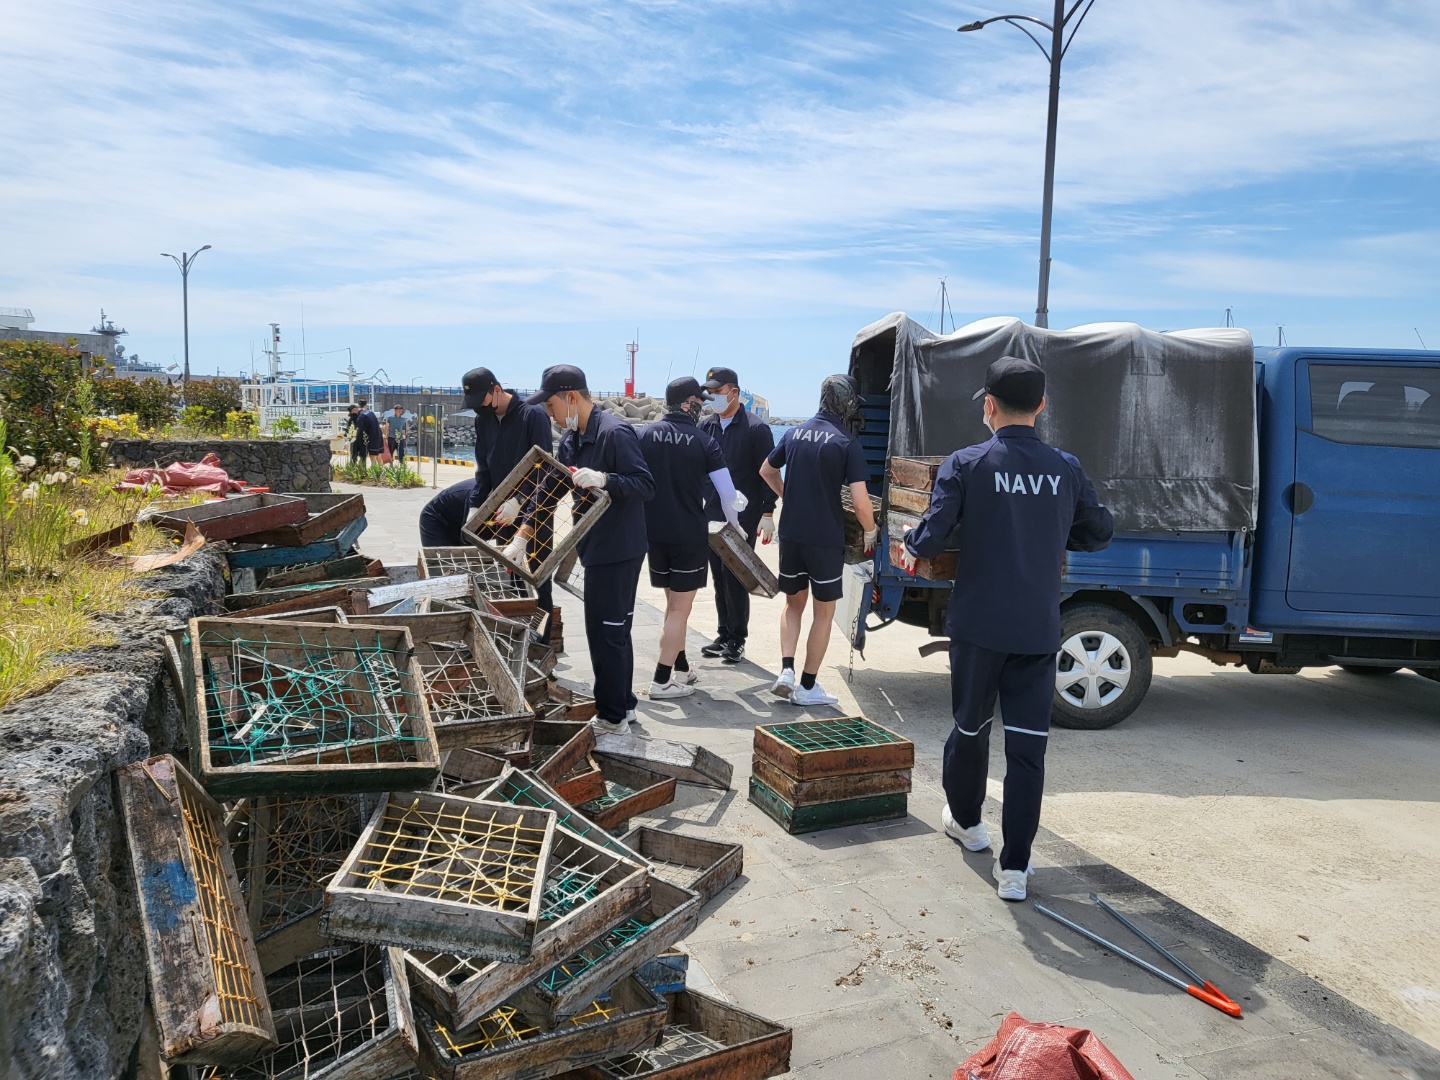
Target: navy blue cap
(557, 380)
(1016, 383)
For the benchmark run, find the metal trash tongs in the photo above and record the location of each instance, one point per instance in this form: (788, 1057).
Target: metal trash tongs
(1205, 991)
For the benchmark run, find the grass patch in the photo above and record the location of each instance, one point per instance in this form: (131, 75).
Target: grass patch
(48, 602)
(395, 475)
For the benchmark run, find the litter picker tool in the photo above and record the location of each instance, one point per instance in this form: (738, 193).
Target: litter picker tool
(1206, 993)
(1186, 968)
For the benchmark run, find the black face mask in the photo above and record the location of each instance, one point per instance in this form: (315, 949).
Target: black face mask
(692, 409)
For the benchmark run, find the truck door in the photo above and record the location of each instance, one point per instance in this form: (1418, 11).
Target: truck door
(1366, 498)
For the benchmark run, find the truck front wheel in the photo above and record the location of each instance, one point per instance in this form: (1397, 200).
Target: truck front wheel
(1103, 669)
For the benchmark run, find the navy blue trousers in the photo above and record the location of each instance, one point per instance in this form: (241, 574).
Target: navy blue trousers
(1025, 686)
(609, 615)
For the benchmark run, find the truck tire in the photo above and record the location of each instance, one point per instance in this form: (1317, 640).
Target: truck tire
(1103, 669)
(1366, 669)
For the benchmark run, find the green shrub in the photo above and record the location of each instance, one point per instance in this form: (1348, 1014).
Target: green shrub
(285, 427)
(216, 399)
(41, 401)
(151, 401)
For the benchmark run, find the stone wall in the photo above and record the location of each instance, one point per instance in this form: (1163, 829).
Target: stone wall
(279, 464)
(72, 969)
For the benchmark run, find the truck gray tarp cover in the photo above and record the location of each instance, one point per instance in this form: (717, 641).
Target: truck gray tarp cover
(1163, 423)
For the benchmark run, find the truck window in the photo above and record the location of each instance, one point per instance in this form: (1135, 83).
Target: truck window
(1376, 405)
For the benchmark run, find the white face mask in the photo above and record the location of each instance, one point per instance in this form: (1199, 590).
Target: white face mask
(572, 422)
(717, 402)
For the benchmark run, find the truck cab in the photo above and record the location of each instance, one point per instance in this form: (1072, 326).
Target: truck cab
(1341, 565)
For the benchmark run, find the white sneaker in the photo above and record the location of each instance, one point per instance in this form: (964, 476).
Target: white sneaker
(816, 695)
(686, 678)
(785, 684)
(671, 689)
(1012, 882)
(612, 727)
(630, 717)
(975, 838)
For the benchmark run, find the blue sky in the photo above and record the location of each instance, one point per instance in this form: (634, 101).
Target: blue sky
(447, 184)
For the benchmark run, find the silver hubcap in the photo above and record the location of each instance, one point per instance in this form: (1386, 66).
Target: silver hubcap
(1092, 669)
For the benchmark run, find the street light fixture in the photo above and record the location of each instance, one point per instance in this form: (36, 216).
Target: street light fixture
(1059, 45)
(184, 262)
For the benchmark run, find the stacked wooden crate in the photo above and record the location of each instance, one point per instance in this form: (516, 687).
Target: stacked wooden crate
(822, 774)
(912, 479)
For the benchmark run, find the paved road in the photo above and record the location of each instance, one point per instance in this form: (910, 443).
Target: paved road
(1297, 813)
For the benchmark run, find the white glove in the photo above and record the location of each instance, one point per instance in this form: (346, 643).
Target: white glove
(907, 560)
(767, 529)
(871, 535)
(588, 478)
(515, 552)
(740, 502)
(508, 512)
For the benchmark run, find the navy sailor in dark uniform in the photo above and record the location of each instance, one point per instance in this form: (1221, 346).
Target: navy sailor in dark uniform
(505, 430)
(819, 457)
(746, 441)
(604, 453)
(1020, 505)
(685, 462)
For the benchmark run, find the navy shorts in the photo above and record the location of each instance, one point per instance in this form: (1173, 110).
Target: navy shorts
(679, 567)
(819, 569)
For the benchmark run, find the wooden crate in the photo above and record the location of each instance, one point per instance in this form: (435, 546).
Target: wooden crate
(571, 985)
(832, 815)
(472, 694)
(704, 1039)
(322, 550)
(341, 1014)
(589, 889)
(629, 790)
(702, 866)
(854, 531)
(582, 783)
(577, 704)
(910, 500)
(259, 605)
(465, 771)
(684, 761)
(432, 562)
(326, 513)
(666, 973)
(809, 749)
(915, 472)
(329, 614)
(445, 874)
(509, 1044)
(560, 512)
(558, 746)
(446, 588)
(345, 569)
(740, 559)
(829, 788)
(940, 567)
(293, 845)
(511, 638)
(206, 985)
(525, 788)
(497, 589)
(308, 708)
(226, 519)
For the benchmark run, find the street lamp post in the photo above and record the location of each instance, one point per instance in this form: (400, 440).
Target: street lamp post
(184, 262)
(1059, 45)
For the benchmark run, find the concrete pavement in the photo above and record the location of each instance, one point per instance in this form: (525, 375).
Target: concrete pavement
(886, 943)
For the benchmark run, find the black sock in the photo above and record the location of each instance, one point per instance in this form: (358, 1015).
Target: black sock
(807, 681)
(681, 664)
(662, 674)
(787, 663)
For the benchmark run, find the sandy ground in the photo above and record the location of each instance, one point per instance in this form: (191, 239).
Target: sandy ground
(1298, 812)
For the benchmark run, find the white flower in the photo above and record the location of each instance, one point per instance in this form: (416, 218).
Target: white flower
(48, 479)
(26, 462)
(31, 492)
(57, 458)
(72, 463)
(80, 516)
(61, 477)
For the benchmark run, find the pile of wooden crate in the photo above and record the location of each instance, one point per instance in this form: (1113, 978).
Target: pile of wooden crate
(383, 863)
(912, 480)
(821, 774)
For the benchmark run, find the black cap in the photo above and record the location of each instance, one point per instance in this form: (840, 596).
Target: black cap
(682, 390)
(717, 377)
(477, 384)
(557, 380)
(1016, 383)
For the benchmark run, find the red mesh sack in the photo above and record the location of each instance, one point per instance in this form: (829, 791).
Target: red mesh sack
(1025, 1051)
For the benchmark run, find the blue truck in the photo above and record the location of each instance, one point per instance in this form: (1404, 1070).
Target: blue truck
(1341, 566)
